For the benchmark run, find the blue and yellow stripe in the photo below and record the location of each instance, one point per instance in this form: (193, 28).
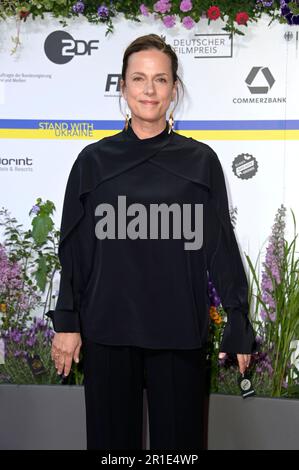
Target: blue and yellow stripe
(199, 130)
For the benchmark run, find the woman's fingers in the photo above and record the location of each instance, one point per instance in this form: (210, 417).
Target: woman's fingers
(244, 361)
(68, 363)
(59, 364)
(65, 347)
(77, 353)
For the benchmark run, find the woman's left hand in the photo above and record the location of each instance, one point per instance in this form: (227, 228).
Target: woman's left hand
(243, 360)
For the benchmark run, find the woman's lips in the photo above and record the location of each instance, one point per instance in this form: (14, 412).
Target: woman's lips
(149, 102)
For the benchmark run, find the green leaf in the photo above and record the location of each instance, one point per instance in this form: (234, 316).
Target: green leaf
(42, 225)
(41, 273)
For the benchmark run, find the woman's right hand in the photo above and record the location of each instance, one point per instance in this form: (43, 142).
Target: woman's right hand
(65, 348)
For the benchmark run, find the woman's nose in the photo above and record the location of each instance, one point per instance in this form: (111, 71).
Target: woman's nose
(149, 88)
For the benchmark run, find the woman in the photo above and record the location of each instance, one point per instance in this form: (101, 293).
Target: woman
(132, 294)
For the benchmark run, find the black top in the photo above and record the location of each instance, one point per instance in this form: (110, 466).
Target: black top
(148, 292)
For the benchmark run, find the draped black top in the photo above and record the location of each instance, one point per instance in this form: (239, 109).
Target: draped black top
(141, 290)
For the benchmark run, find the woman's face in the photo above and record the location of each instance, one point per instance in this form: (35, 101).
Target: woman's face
(149, 86)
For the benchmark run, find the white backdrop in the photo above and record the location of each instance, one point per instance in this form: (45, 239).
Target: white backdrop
(258, 125)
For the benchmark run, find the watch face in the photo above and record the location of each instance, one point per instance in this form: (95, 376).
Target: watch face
(245, 384)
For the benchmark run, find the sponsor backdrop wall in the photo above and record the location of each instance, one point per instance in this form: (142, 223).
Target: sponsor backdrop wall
(60, 92)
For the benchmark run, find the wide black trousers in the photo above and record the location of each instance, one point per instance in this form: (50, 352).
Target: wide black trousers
(114, 379)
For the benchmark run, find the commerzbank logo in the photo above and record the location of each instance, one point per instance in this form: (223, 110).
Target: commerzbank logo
(259, 82)
(253, 75)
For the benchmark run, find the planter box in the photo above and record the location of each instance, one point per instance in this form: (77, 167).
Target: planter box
(53, 417)
(44, 417)
(254, 423)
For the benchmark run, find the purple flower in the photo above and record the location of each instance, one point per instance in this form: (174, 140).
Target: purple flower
(287, 12)
(186, 5)
(214, 297)
(272, 316)
(35, 209)
(16, 336)
(272, 265)
(103, 11)
(169, 21)
(48, 334)
(259, 339)
(10, 274)
(264, 315)
(162, 6)
(265, 4)
(188, 22)
(31, 341)
(12, 286)
(144, 10)
(78, 7)
(39, 323)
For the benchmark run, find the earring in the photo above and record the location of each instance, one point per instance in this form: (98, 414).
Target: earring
(170, 122)
(127, 119)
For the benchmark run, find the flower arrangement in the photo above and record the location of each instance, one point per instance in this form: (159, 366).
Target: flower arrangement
(170, 12)
(27, 355)
(28, 265)
(29, 261)
(277, 300)
(275, 311)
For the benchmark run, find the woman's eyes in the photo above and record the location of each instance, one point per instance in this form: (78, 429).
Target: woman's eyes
(159, 79)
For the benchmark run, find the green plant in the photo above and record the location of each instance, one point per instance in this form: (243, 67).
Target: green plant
(27, 358)
(274, 306)
(29, 259)
(187, 12)
(28, 264)
(277, 300)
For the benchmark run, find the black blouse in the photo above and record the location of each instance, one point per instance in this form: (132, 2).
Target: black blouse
(145, 291)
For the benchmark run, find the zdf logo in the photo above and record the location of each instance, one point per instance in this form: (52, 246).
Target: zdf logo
(60, 47)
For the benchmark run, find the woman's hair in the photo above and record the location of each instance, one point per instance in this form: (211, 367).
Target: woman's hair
(152, 41)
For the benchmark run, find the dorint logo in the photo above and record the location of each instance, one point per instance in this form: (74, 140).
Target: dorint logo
(60, 47)
(267, 76)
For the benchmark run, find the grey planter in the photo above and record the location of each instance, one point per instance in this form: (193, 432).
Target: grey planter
(42, 417)
(53, 417)
(254, 423)
(45, 417)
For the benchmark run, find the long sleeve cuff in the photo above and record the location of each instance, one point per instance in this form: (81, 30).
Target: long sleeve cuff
(64, 321)
(238, 335)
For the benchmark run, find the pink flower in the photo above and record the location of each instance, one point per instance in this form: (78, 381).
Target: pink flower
(272, 316)
(188, 22)
(144, 10)
(264, 315)
(186, 5)
(162, 6)
(169, 21)
(273, 265)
